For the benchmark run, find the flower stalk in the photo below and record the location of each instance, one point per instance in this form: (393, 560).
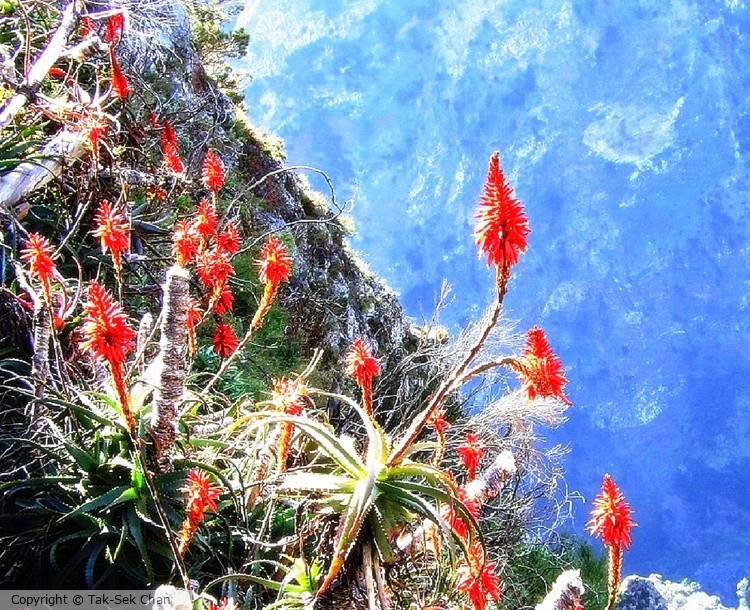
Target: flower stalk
(611, 520)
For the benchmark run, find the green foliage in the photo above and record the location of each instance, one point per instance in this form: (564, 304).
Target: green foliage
(93, 521)
(216, 44)
(532, 568)
(273, 353)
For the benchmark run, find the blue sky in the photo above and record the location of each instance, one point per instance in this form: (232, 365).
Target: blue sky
(624, 127)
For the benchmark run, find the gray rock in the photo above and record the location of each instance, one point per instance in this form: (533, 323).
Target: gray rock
(655, 593)
(639, 593)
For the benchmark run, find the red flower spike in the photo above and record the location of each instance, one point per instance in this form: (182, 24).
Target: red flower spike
(224, 300)
(185, 242)
(611, 517)
(541, 368)
(274, 264)
(113, 231)
(106, 327)
(502, 226)
(440, 423)
(168, 134)
(172, 157)
(201, 493)
(114, 28)
(224, 340)
(363, 366)
(95, 134)
(213, 172)
(170, 149)
(479, 579)
(109, 336)
(229, 239)
(206, 220)
(289, 397)
(274, 267)
(119, 81)
(471, 453)
(213, 268)
(38, 254)
(361, 363)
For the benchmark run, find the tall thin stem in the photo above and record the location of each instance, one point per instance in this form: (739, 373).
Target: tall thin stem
(455, 378)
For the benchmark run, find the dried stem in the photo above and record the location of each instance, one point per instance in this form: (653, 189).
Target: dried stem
(171, 365)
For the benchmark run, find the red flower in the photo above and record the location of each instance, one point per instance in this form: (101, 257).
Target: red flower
(225, 341)
(229, 239)
(214, 268)
(113, 230)
(441, 425)
(611, 517)
(201, 493)
(502, 226)
(168, 134)
(288, 396)
(38, 254)
(541, 368)
(185, 242)
(172, 157)
(213, 172)
(274, 264)
(471, 453)
(363, 366)
(106, 328)
(361, 363)
(206, 220)
(479, 579)
(224, 300)
(109, 336)
(95, 134)
(457, 523)
(170, 148)
(119, 81)
(114, 28)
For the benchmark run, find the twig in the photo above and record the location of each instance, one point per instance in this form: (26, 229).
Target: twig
(41, 66)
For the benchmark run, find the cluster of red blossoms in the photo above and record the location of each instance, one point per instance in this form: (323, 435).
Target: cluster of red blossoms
(38, 253)
(200, 241)
(502, 226)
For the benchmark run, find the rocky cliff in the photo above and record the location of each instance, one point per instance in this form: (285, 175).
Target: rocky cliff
(332, 297)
